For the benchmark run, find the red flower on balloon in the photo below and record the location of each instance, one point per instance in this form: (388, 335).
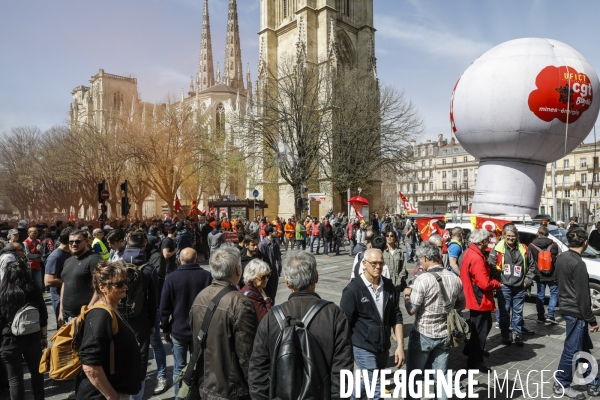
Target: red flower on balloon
(561, 92)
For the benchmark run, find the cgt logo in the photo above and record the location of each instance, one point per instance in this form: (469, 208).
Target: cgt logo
(561, 93)
(584, 368)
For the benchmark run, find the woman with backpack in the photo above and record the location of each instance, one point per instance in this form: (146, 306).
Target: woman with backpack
(22, 341)
(108, 373)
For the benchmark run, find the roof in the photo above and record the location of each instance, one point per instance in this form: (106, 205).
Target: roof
(222, 88)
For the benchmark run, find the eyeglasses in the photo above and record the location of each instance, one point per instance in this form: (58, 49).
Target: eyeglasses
(390, 235)
(75, 242)
(118, 284)
(264, 278)
(380, 263)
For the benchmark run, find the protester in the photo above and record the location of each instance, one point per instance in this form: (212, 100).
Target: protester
(576, 310)
(300, 236)
(98, 245)
(222, 372)
(428, 342)
(250, 252)
(96, 381)
(373, 314)
(169, 250)
(338, 236)
(372, 242)
(289, 235)
(179, 291)
(33, 252)
(256, 276)
(215, 238)
(325, 234)
(454, 251)
(16, 291)
(183, 238)
(270, 248)
(315, 232)
(77, 274)
(116, 242)
(545, 278)
(330, 328)
(514, 262)
(394, 259)
(13, 252)
(54, 266)
(410, 239)
(479, 286)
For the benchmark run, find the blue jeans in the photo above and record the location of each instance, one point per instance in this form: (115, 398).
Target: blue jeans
(36, 275)
(424, 351)
(577, 338)
(410, 248)
(56, 307)
(541, 294)
(400, 235)
(314, 239)
(325, 246)
(511, 297)
(160, 354)
(180, 350)
(370, 361)
(140, 394)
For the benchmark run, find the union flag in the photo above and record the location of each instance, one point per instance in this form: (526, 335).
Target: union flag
(406, 205)
(427, 227)
(177, 208)
(493, 225)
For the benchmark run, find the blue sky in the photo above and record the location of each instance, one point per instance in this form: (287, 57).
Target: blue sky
(423, 46)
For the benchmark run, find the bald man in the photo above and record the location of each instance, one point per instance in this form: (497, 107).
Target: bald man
(370, 302)
(179, 292)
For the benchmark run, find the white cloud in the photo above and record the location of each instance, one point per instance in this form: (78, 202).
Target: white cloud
(436, 42)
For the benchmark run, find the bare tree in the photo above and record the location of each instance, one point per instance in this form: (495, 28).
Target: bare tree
(371, 132)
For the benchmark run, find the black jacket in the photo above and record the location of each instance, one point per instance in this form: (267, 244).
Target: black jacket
(330, 328)
(326, 232)
(574, 287)
(594, 240)
(543, 243)
(369, 332)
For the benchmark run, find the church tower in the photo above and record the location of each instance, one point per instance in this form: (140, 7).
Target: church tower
(340, 33)
(233, 74)
(206, 70)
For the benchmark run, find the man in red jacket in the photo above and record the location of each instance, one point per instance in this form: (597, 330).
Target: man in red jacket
(479, 287)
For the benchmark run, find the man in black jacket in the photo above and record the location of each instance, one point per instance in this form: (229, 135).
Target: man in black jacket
(329, 328)
(370, 302)
(326, 233)
(576, 309)
(595, 237)
(545, 278)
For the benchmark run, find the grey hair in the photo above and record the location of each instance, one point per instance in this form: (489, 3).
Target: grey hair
(511, 228)
(435, 238)
(478, 235)
(430, 251)
(254, 269)
(300, 269)
(224, 261)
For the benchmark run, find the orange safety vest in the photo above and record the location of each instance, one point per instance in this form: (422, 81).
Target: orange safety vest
(315, 229)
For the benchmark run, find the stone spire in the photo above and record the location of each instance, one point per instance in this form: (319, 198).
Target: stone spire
(218, 74)
(233, 70)
(206, 68)
(248, 85)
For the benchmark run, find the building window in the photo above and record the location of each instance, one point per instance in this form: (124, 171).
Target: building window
(430, 174)
(566, 180)
(595, 177)
(454, 160)
(445, 151)
(465, 173)
(430, 162)
(423, 152)
(444, 161)
(422, 174)
(430, 151)
(285, 8)
(567, 193)
(443, 174)
(220, 119)
(583, 179)
(454, 185)
(583, 193)
(415, 187)
(455, 197)
(596, 192)
(422, 187)
(431, 186)
(118, 100)
(465, 159)
(444, 187)
(583, 162)
(566, 164)
(422, 163)
(454, 174)
(348, 7)
(456, 149)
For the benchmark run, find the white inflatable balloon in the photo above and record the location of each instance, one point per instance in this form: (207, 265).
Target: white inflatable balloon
(512, 107)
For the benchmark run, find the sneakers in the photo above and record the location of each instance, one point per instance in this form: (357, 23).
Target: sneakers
(552, 320)
(497, 325)
(507, 341)
(161, 386)
(542, 320)
(568, 392)
(526, 331)
(593, 391)
(518, 339)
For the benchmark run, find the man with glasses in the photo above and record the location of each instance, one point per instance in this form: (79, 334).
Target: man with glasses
(516, 266)
(77, 272)
(370, 302)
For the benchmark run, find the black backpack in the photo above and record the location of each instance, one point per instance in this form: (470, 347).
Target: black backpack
(133, 305)
(299, 368)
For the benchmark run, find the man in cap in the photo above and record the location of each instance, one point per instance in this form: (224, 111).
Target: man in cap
(22, 228)
(13, 236)
(98, 245)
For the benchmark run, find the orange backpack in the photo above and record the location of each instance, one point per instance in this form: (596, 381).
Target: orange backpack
(61, 359)
(544, 261)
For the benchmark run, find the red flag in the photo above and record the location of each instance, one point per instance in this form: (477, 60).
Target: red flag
(177, 208)
(406, 205)
(469, 210)
(358, 214)
(428, 226)
(493, 225)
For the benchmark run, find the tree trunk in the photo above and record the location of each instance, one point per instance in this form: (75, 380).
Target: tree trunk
(139, 209)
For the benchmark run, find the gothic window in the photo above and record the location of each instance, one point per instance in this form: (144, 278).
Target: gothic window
(220, 119)
(117, 100)
(348, 7)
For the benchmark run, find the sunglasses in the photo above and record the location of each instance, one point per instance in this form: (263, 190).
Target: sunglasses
(390, 235)
(118, 284)
(74, 242)
(264, 278)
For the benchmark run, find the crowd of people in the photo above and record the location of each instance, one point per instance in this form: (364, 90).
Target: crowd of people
(223, 322)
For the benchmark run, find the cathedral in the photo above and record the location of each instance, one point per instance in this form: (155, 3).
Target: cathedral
(325, 31)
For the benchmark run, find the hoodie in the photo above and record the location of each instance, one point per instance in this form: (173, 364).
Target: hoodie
(182, 241)
(543, 243)
(146, 319)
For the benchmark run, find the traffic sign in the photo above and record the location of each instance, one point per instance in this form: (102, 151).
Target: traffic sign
(317, 197)
(255, 193)
(105, 195)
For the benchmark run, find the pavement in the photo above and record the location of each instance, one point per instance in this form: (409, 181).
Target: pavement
(521, 365)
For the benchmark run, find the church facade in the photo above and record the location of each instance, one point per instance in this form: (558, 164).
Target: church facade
(327, 31)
